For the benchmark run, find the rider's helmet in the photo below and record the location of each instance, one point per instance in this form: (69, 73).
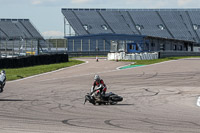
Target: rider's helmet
(3, 72)
(96, 78)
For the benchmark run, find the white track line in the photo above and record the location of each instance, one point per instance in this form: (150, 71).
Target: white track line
(118, 68)
(198, 102)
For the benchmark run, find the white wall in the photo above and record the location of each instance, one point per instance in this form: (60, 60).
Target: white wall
(196, 49)
(132, 56)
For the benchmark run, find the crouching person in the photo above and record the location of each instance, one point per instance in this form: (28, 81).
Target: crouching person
(2, 80)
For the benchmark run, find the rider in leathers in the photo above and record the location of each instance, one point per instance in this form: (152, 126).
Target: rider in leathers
(2, 80)
(101, 87)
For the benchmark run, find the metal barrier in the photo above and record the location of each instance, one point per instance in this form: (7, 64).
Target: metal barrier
(17, 48)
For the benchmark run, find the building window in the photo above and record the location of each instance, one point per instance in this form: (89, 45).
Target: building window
(161, 27)
(162, 46)
(152, 44)
(174, 47)
(131, 47)
(139, 27)
(105, 27)
(137, 48)
(180, 47)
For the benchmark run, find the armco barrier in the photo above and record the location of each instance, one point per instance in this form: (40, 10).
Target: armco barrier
(33, 60)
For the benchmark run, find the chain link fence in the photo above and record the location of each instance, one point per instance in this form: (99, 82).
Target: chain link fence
(18, 48)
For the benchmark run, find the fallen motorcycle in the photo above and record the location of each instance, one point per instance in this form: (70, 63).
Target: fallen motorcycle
(108, 98)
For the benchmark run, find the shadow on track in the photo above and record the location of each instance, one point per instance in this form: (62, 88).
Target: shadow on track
(123, 104)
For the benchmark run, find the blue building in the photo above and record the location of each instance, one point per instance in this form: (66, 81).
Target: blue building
(131, 30)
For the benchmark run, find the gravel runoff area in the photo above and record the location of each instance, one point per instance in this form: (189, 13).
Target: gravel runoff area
(159, 98)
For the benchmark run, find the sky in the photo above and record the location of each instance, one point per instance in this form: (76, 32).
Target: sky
(47, 18)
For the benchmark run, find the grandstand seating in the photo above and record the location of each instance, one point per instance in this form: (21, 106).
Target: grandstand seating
(150, 22)
(195, 17)
(95, 23)
(166, 23)
(18, 29)
(116, 21)
(75, 22)
(34, 33)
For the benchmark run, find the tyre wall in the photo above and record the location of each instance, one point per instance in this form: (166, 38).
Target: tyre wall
(33, 60)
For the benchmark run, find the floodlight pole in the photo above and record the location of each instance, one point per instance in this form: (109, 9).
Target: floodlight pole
(64, 26)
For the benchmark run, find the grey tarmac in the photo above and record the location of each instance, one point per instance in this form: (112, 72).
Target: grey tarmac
(159, 98)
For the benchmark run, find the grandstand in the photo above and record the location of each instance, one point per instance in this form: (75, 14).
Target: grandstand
(149, 29)
(18, 37)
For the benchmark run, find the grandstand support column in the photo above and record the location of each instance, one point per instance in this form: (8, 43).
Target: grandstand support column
(81, 45)
(97, 45)
(48, 46)
(104, 45)
(73, 45)
(13, 48)
(56, 45)
(89, 44)
(6, 47)
(149, 47)
(65, 43)
(31, 47)
(192, 47)
(125, 47)
(19, 47)
(25, 46)
(38, 47)
(64, 26)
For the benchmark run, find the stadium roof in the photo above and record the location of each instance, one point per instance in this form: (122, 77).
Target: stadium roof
(18, 29)
(181, 24)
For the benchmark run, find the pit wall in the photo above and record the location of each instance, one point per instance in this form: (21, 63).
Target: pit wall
(132, 56)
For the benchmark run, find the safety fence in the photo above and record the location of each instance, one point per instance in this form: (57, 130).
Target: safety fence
(17, 48)
(76, 54)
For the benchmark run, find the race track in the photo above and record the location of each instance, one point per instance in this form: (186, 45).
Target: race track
(159, 98)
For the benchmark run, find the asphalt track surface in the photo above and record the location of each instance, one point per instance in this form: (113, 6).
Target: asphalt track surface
(159, 98)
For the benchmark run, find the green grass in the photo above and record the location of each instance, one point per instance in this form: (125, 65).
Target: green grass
(148, 62)
(18, 73)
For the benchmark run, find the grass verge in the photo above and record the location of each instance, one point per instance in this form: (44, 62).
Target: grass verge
(148, 62)
(18, 73)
